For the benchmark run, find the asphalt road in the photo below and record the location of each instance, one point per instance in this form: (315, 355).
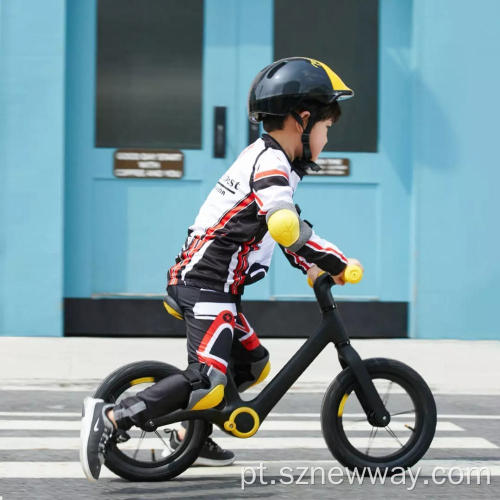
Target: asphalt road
(467, 436)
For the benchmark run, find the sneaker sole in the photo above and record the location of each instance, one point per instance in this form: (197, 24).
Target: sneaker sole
(210, 462)
(88, 412)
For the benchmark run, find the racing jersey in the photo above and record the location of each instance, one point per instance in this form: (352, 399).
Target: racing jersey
(229, 246)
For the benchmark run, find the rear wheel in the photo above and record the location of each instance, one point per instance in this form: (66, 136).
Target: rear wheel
(357, 444)
(148, 456)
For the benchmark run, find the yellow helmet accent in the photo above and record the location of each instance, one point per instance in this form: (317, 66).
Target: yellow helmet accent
(337, 83)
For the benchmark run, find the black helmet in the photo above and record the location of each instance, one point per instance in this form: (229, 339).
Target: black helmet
(285, 85)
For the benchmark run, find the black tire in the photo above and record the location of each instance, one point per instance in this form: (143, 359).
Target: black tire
(422, 430)
(135, 470)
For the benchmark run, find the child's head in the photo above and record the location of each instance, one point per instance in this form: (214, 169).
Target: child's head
(298, 95)
(325, 117)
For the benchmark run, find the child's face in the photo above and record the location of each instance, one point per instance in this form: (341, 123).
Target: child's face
(318, 137)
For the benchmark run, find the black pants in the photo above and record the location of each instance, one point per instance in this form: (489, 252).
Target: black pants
(217, 331)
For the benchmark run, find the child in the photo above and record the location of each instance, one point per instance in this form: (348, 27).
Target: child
(229, 246)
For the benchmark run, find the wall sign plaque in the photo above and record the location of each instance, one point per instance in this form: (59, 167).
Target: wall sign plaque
(332, 166)
(148, 164)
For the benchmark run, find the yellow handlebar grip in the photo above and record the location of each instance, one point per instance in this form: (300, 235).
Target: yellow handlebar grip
(310, 283)
(353, 274)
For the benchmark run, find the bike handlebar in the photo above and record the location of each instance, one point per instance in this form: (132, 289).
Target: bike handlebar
(323, 283)
(352, 274)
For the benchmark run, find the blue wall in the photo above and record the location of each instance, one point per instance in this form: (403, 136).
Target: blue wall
(420, 213)
(32, 48)
(456, 174)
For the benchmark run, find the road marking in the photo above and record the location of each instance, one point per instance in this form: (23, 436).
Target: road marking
(89, 389)
(356, 415)
(256, 443)
(271, 415)
(267, 425)
(315, 425)
(73, 470)
(40, 414)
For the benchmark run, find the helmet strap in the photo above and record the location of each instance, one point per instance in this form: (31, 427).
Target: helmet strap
(305, 161)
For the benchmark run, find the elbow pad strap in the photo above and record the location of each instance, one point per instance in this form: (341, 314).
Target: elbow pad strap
(304, 236)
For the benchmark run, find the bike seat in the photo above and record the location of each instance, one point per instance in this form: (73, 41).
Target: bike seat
(172, 307)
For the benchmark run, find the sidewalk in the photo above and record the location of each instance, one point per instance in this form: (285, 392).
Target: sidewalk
(448, 366)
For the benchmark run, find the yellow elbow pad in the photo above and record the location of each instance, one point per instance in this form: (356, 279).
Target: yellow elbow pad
(284, 227)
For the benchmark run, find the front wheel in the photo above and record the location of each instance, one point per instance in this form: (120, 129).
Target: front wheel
(357, 444)
(148, 456)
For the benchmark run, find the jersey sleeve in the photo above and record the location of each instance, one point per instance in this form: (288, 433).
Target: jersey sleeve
(296, 260)
(272, 191)
(324, 254)
(271, 187)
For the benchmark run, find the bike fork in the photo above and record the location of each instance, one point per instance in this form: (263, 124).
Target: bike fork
(365, 390)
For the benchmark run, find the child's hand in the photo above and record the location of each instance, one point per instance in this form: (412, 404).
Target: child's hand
(339, 278)
(314, 271)
(312, 274)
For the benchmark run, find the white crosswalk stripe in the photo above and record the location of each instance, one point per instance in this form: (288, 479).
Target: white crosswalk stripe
(47, 424)
(267, 425)
(29, 414)
(255, 443)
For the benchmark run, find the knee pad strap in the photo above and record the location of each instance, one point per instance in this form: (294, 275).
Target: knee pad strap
(257, 372)
(208, 387)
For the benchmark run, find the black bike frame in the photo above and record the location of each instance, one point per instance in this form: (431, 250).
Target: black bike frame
(331, 329)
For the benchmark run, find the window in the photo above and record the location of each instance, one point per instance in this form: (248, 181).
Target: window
(344, 35)
(149, 73)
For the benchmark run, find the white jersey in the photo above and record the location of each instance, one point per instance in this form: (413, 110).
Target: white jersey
(228, 246)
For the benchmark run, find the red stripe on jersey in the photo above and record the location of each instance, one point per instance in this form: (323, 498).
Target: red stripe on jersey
(242, 266)
(186, 257)
(299, 260)
(209, 234)
(258, 200)
(327, 249)
(259, 204)
(229, 215)
(269, 173)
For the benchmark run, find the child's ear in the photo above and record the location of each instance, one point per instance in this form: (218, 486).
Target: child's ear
(305, 117)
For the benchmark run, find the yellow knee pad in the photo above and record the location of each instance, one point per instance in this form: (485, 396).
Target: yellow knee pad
(258, 371)
(264, 374)
(211, 399)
